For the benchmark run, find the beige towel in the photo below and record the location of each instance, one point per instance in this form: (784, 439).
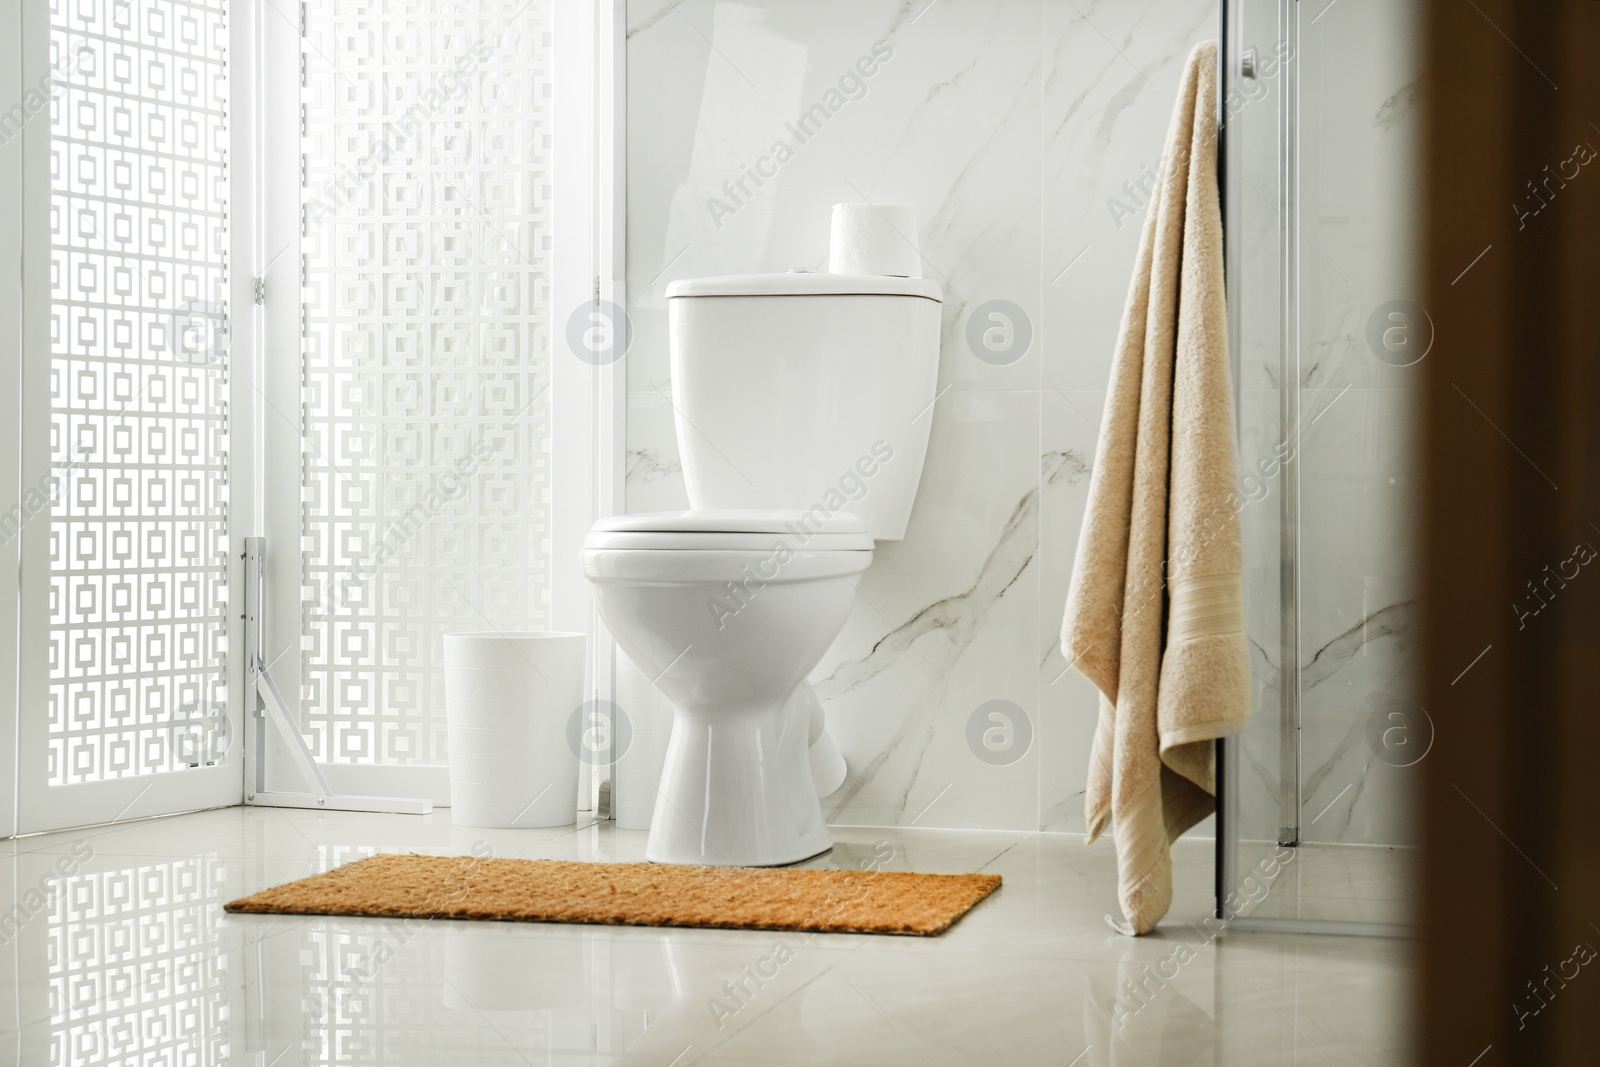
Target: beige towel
(1162, 502)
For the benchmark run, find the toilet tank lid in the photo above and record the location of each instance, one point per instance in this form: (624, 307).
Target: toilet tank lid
(711, 520)
(805, 283)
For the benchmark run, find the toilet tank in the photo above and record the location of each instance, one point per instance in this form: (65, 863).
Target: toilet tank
(805, 391)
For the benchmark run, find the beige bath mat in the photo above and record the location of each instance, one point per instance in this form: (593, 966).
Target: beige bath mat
(631, 894)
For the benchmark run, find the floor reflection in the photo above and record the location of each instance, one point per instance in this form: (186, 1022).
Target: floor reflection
(407, 991)
(120, 953)
(134, 966)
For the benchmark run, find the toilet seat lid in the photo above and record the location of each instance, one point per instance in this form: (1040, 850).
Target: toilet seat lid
(741, 529)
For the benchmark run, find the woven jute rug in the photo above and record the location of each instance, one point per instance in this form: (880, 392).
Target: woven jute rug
(631, 894)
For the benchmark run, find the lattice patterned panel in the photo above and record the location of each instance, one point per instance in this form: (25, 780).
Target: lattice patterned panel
(136, 966)
(410, 991)
(138, 382)
(426, 354)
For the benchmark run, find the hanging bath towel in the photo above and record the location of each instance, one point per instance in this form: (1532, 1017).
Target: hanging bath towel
(1155, 615)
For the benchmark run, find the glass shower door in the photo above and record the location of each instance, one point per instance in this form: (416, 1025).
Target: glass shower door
(1321, 118)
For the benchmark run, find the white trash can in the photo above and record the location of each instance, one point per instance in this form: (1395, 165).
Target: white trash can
(508, 698)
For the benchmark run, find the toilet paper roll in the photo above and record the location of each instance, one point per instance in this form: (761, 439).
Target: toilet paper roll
(874, 239)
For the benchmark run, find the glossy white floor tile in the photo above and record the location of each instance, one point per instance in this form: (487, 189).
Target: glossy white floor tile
(114, 949)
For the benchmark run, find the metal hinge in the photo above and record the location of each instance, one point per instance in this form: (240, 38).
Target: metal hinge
(261, 290)
(254, 556)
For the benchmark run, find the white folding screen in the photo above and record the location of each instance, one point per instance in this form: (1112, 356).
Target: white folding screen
(125, 382)
(287, 270)
(421, 406)
(12, 74)
(138, 384)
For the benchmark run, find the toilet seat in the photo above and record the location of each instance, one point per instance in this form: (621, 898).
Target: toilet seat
(730, 531)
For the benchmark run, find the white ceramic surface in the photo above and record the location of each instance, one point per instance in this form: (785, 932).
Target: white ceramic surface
(508, 700)
(636, 775)
(828, 768)
(736, 786)
(811, 401)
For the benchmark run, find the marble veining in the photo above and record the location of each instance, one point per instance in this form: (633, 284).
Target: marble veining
(955, 618)
(1401, 106)
(1395, 622)
(1063, 466)
(1339, 336)
(645, 465)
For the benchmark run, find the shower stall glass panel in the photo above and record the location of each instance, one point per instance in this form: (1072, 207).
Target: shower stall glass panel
(1321, 117)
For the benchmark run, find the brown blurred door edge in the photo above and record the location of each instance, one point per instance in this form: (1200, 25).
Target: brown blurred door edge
(1510, 890)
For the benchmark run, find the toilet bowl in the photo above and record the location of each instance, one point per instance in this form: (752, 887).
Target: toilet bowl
(727, 611)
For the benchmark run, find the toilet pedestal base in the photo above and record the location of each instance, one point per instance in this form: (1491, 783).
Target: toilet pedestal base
(737, 790)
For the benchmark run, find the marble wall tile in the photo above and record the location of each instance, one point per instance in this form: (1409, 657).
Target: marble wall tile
(946, 622)
(652, 468)
(1359, 612)
(1068, 703)
(1112, 74)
